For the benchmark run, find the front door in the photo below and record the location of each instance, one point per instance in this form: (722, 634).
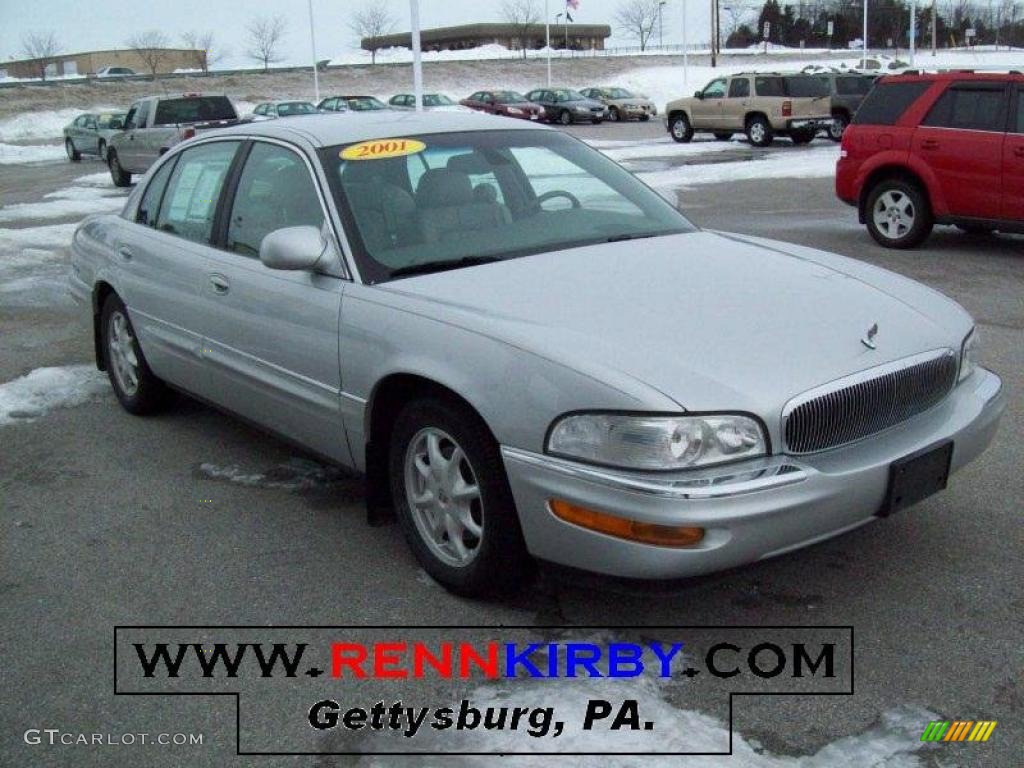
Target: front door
(961, 141)
(707, 111)
(1013, 161)
(271, 336)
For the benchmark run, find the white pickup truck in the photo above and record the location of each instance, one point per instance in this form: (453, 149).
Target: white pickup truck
(156, 123)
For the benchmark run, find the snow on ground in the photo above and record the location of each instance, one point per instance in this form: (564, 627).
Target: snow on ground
(620, 151)
(42, 123)
(33, 265)
(45, 389)
(80, 199)
(891, 743)
(29, 153)
(803, 163)
(296, 474)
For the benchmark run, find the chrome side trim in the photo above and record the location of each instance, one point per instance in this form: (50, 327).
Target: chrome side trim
(710, 484)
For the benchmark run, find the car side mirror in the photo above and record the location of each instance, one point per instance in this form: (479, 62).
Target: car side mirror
(292, 248)
(699, 95)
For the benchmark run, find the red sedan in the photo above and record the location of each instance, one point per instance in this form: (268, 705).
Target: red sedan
(508, 103)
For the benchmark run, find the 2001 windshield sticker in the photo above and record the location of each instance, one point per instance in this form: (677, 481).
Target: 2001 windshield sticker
(379, 149)
(480, 690)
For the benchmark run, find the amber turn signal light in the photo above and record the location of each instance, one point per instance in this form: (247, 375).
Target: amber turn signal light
(620, 527)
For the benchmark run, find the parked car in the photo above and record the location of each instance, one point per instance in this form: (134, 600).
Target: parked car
(156, 123)
(926, 149)
(566, 106)
(89, 133)
(432, 102)
(879, 65)
(270, 110)
(621, 103)
(351, 104)
(848, 91)
(507, 103)
(483, 315)
(760, 104)
(115, 72)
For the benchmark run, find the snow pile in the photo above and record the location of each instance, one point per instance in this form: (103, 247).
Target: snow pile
(29, 153)
(811, 163)
(42, 124)
(45, 389)
(76, 200)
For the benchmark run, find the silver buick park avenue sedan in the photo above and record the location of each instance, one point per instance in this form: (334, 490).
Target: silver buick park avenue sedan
(529, 353)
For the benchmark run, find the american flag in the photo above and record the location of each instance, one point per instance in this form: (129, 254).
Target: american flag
(573, 4)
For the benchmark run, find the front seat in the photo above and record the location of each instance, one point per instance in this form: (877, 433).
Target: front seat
(447, 206)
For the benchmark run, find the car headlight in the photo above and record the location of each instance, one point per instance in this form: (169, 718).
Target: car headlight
(515, 111)
(969, 354)
(631, 441)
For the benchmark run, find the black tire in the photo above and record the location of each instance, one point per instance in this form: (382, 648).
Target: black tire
(501, 563)
(803, 136)
(613, 114)
(723, 135)
(73, 154)
(759, 131)
(565, 117)
(598, 120)
(101, 149)
(150, 393)
(644, 118)
(121, 177)
(679, 128)
(839, 122)
(902, 193)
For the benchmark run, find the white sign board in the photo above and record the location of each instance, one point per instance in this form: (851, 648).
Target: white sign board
(831, 28)
(767, 29)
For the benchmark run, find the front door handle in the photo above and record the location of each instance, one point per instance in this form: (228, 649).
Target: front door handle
(125, 253)
(930, 144)
(220, 284)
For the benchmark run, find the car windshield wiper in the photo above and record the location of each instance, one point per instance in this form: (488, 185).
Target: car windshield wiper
(440, 266)
(634, 236)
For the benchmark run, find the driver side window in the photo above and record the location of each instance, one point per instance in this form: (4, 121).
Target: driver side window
(129, 121)
(715, 89)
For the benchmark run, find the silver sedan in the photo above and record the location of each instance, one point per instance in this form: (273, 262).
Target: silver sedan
(529, 353)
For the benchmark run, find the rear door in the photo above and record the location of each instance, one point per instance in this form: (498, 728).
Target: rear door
(271, 335)
(734, 107)
(1013, 160)
(961, 140)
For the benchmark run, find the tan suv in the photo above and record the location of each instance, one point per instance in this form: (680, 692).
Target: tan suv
(760, 104)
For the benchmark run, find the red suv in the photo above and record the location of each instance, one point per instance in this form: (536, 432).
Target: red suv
(926, 149)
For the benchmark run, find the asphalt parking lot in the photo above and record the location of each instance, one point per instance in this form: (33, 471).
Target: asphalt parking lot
(194, 518)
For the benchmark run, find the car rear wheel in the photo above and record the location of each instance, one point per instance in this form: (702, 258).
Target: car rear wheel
(723, 135)
(73, 154)
(101, 149)
(453, 499)
(644, 118)
(680, 129)
(136, 386)
(898, 214)
(613, 114)
(121, 177)
(839, 123)
(759, 131)
(565, 117)
(802, 137)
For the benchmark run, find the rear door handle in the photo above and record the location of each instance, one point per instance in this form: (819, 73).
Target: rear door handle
(930, 144)
(220, 284)
(125, 253)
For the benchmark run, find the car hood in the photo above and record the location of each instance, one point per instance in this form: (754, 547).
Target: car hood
(713, 321)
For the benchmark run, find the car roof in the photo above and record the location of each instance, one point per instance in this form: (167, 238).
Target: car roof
(328, 130)
(952, 75)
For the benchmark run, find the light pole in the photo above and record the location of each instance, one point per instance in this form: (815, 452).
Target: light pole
(864, 42)
(312, 45)
(547, 38)
(417, 58)
(661, 26)
(686, 56)
(913, 30)
(714, 22)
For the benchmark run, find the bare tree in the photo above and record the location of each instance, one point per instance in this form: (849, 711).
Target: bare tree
(204, 53)
(41, 46)
(151, 47)
(636, 18)
(265, 35)
(369, 24)
(736, 16)
(521, 15)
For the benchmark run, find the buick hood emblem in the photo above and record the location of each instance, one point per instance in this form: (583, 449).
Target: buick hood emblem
(868, 340)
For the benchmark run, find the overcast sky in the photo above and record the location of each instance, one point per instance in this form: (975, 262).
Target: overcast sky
(83, 25)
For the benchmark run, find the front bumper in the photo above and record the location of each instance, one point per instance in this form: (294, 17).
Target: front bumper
(751, 510)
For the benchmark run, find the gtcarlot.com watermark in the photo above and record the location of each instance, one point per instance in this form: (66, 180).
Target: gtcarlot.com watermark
(56, 737)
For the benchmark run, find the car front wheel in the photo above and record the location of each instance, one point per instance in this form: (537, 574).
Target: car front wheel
(120, 176)
(453, 500)
(898, 214)
(73, 154)
(136, 386)
(564, 117)
(680, 129)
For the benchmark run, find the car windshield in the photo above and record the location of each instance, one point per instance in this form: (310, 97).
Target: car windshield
(509, 97)
(364, 103)
(295, 108)
(194, 109)
(111, 121)
(436, 100)
(425, 203)
(567, 94)
(618, 93)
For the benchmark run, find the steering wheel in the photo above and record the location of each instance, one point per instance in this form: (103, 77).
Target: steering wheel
(573, 200)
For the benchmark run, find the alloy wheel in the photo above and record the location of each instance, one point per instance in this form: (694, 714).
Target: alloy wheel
(121, 344)
(444, 497)
(893, 214)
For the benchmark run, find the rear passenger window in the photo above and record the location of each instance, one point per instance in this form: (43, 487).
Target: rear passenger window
(769, 86)
(972, 109)
(887, 102)
(274, 191)
(191, 198)
(149, 207)
(853, 86)
(739, 89)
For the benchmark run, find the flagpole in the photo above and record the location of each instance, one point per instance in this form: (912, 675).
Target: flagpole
(547, 38)
(312, 45)
(417, 62)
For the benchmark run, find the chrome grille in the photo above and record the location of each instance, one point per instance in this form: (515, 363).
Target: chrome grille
(862, 405)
